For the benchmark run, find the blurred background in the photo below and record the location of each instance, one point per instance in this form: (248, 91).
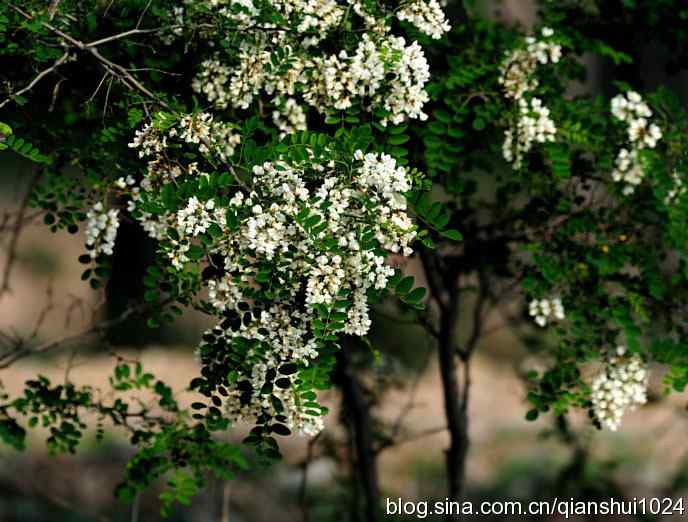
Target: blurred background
(509, 458)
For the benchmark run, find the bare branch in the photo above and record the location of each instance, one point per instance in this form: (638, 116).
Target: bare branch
(10, 220)
(130, 32)
(113, 68)
(22, 351)
(45, 72)
(414, 436)
(143, 13)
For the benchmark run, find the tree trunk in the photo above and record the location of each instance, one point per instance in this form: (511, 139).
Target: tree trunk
(357, 412)
(443, 285)
(455, 405)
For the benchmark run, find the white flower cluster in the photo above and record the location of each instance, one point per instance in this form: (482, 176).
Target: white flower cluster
(620, 387)
(518, 70)
(628, 170)
(338, 79)
(289, 117)
(243, 12)
(545, 310)
(272, 232)
(518, 78)
(312, 17)
(372, 21)
(427, 16)
(632, 110)
(677, 190)
(212, 137)
(190, 222)
(122, 183)
(382, 71)
(532, 126)
(101, 230)
(317, 17)
(169, 35)
(320, 234)
(212, 82)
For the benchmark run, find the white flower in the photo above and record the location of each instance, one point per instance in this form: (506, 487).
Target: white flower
(101, 230)
(545, 310)
(533, 123)
(677, 190)
(620, 386)
(518, 69)
(533, 126)
(634, 112)
(289, 117)
(270, 231)
(427, 16)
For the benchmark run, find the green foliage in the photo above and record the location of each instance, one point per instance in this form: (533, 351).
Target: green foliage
(559, 225)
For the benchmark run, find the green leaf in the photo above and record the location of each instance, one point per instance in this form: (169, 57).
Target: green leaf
(195, 252)
(416, 295)
(532, 415)
(452, 234)
(405, 285)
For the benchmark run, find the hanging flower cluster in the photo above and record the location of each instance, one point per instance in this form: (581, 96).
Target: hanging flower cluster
(291, 257)
(635, 113)
(545, 310)
(314, 238)
(677, 190)
(428, 17)
(621, 386)
(284, 245)
(290, 117)
(533, 123)
(101, 230)
(380, 71)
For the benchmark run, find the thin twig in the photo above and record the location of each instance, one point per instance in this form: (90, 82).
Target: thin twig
(25, 219)
(143, 13)
(45, 72)
(56, 91)
(100, 84)
(408, 406)
(23, 351)
(415, 436)
(119, 36)
(113, 68)
(135, 507)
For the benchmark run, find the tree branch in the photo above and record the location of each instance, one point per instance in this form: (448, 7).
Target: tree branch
(45, 72)
(22, 351)
(113, 68)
